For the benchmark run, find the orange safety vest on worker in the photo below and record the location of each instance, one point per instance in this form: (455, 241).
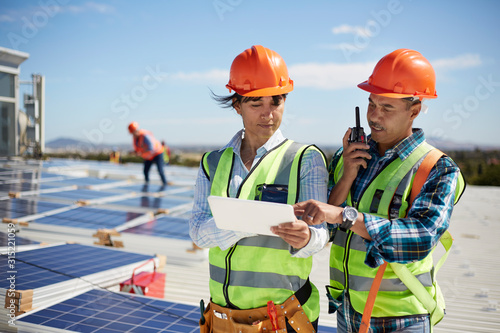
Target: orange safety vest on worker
(147, 146)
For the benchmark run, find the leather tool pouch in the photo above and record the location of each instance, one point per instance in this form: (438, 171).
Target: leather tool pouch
(219, 319)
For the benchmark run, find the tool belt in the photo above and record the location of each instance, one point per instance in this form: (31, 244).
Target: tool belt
(219, 319)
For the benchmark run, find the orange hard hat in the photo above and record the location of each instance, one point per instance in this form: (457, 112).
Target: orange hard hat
(402, 73)
(259, 71)
(133, 126)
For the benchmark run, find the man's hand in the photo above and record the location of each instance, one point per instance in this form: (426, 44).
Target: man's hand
(297, 233)
(317, 212)
(354, 156)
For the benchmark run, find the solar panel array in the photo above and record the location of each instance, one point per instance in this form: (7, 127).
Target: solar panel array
(89, 218)
(15, 208)
(163, 226)
(99, 311)
(48, 265)
(70, 200)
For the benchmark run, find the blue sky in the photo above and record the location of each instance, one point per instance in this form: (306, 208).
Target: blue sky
(108, 63)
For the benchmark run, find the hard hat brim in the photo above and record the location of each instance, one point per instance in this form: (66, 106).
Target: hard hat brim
(271, 91)
(387, 93)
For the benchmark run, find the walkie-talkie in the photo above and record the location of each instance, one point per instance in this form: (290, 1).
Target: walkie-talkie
(357, 133)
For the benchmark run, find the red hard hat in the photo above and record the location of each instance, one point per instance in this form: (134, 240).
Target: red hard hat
(402, 73)
(259, 71)
(133, 126)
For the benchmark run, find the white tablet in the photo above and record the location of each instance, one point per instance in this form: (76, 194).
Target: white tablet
(249, 215)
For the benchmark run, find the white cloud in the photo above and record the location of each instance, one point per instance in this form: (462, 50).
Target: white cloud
(327, 76)
(233, 119)
(353, 30)
(330, 76)
(341, 46)
(210, 76)
(51, 9)
(459, 62)
(6, 18)
(89, 6)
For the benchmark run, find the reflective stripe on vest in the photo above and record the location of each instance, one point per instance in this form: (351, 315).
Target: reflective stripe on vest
(386, 196)
(259, 266)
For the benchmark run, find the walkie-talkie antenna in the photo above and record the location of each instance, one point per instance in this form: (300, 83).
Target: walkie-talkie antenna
(357, 133)
(358, 124)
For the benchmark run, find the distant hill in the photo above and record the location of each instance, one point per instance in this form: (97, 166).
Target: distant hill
(448, 145)
(72, 145)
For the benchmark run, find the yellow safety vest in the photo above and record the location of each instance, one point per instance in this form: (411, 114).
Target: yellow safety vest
(258, 269)
(386, 196)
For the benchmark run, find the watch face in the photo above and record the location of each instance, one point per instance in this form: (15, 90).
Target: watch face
(351, 213)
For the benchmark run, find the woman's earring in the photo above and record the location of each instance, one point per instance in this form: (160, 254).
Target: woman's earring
(243, 133)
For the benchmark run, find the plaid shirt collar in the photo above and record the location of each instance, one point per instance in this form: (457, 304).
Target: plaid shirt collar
(404, 148)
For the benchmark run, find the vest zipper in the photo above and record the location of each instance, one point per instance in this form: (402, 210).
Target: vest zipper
(255, 167)
(225, 287)
(346, 260)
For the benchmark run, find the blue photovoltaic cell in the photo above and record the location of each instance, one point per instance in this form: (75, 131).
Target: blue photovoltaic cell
(73, 259)
(90, 181)
(151, 188)
(80, 194)
(7, 239)
(18, 174)
(99, 311)
(153, 202)
(168, 190)
(23, 187)
(165, 226)
(89, 218)
(15, 208)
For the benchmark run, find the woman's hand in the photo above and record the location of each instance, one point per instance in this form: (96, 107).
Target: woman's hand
(297, 233)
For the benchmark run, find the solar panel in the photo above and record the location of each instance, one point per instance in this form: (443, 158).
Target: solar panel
(146, 188)
(6, 239)
(47, 263)
(85, 181)
(26, 186)
(153, 202)
(99, 311)
(79, 194)
(89, 218)
(165, 226)
(15, 208)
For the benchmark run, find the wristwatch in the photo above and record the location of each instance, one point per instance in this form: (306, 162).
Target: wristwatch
(349, 216)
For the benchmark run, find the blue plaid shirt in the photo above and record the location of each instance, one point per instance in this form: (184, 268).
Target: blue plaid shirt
(402, 240)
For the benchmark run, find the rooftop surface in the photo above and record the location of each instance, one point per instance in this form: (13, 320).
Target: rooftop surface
(63, 201)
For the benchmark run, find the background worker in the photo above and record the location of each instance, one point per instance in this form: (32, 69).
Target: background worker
(114, 156)
(166, 153)
(248, 270)
(150, 149)
(376, 178)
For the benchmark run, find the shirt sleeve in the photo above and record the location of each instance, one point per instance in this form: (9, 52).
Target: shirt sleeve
(410, 239)
(332, 228)
(331, 169)
(148, 142)
(202, 227)
(313, 185)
